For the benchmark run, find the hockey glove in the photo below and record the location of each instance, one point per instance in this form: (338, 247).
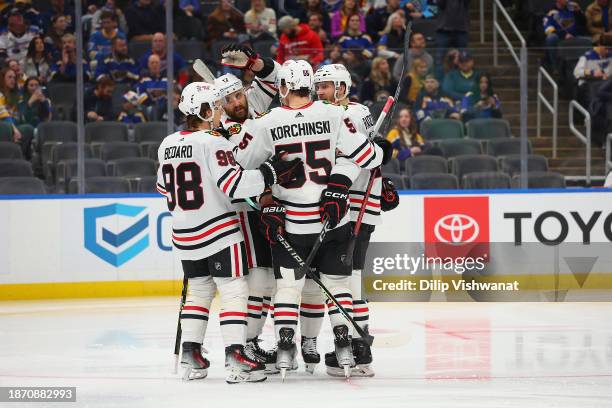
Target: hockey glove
(335, 199)
(272, 220)
(238, 56)
(389, 198)
(277, 171)
(386, 147)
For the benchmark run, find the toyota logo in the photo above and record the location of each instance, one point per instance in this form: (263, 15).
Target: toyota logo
(456, 228)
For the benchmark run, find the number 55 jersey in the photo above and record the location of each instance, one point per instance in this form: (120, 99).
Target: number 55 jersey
(316, 133)
(199, 176)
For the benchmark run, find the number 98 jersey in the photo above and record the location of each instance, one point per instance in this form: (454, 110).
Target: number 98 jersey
(199, 176)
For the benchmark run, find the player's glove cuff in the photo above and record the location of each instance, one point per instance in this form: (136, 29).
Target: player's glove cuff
(389, 198)
(386, 147)
(335, 199)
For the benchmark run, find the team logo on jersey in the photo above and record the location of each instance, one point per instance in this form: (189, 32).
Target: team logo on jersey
(234, 129)
(116, 233)
(259, 115)
(217, 266)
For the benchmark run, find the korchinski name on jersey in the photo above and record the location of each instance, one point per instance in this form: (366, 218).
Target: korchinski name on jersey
(300, 129)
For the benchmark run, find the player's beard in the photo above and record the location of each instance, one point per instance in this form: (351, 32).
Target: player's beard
(240, 113)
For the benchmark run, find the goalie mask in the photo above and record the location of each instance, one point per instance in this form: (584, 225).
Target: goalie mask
(194, 95)
(294, 75)
(337, 74)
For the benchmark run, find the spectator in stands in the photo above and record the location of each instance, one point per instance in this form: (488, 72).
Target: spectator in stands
(118, 65)
(28, 11)
(334, 55)
(356, 39)
(226, 23)
(37, 60)
(315, 22)
(59, 24)
(561, 23)
(391, 43)
(109, 5)
(260, 21)
(414, 81)
(418, 46)
(432, 104)
(154, 85)
(601, 112)
(380, 83)
(458, 82)
(599, 19)
(298, 41)
(64, 70)
(377, 18)
(100, 41)
(453, 22)
(15, 41)
(405, 137)
(596, 64)
(415, 8)
(9, 112)
(20, 77)
(316, 7)
(158, 47)
(144, 19)
(357, 66)
(481, 102)
(34, 107)
(131, 113)
(339, 20)
(451, 61)
(161, 111)
(98, 103)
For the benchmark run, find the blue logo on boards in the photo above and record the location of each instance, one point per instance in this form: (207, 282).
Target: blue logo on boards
(117, 241)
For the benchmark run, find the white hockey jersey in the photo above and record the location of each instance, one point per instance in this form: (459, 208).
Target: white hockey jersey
(362, 118)
(313, 133)
(199, 176)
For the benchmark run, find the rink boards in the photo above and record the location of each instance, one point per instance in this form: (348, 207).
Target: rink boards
(120, 245)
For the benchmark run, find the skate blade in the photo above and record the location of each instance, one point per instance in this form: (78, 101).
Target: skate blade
(195, 374)
(283, 373)
(271, 369)
(310, 367)
(242, 377)
(359, 371)
(347, 371)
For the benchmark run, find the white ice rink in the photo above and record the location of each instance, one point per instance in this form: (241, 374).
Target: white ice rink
(118, 353)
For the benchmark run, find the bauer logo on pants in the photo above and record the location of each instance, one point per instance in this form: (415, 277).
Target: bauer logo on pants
(456, 226)
(116, 233)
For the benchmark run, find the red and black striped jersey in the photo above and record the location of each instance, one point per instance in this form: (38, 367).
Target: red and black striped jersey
(199, 177)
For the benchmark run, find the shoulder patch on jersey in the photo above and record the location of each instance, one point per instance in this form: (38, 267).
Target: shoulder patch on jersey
(214, 133)
(234, 129)
(259, 115)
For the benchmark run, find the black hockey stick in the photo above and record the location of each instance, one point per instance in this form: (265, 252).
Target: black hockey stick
(305, 267)
(179, 330)
(351, 245)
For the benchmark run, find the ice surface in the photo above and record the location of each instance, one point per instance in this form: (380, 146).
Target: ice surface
(118, 353)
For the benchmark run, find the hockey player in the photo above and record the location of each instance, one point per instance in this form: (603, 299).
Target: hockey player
(240, 105)
(333, 84)
(314, 132)
(199, 176)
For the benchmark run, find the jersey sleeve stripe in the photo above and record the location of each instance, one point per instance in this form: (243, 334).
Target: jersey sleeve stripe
(224, 177)
(229, 182)
(364, 155)
(264, 90)
(233, 189)
(358, 150)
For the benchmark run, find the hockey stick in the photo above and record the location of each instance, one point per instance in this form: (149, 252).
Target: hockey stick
(352, 241)
(179, 330)
(202, 70)
(305, 266)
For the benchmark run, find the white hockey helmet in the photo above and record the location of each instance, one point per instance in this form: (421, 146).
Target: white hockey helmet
(228, 84)
(296, 75)
(336, 73)
(194, 95)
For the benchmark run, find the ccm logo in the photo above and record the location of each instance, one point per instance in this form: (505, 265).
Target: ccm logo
(273, 209)
(456, 228)
(343, 196)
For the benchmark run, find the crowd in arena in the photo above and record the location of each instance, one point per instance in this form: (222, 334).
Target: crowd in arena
(125, 56)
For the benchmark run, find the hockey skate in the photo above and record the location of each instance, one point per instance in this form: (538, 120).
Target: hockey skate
(344, 351)
(287, 350)
(253, 350)
(310, 355)
(196, 366)
(241, 367)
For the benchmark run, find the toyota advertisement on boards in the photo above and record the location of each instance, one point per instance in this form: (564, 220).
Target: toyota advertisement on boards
(440, 247)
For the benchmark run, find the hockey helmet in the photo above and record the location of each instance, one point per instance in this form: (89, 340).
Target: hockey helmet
(194, 95)
(296, 75)
(336, 73)
(228, 84)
